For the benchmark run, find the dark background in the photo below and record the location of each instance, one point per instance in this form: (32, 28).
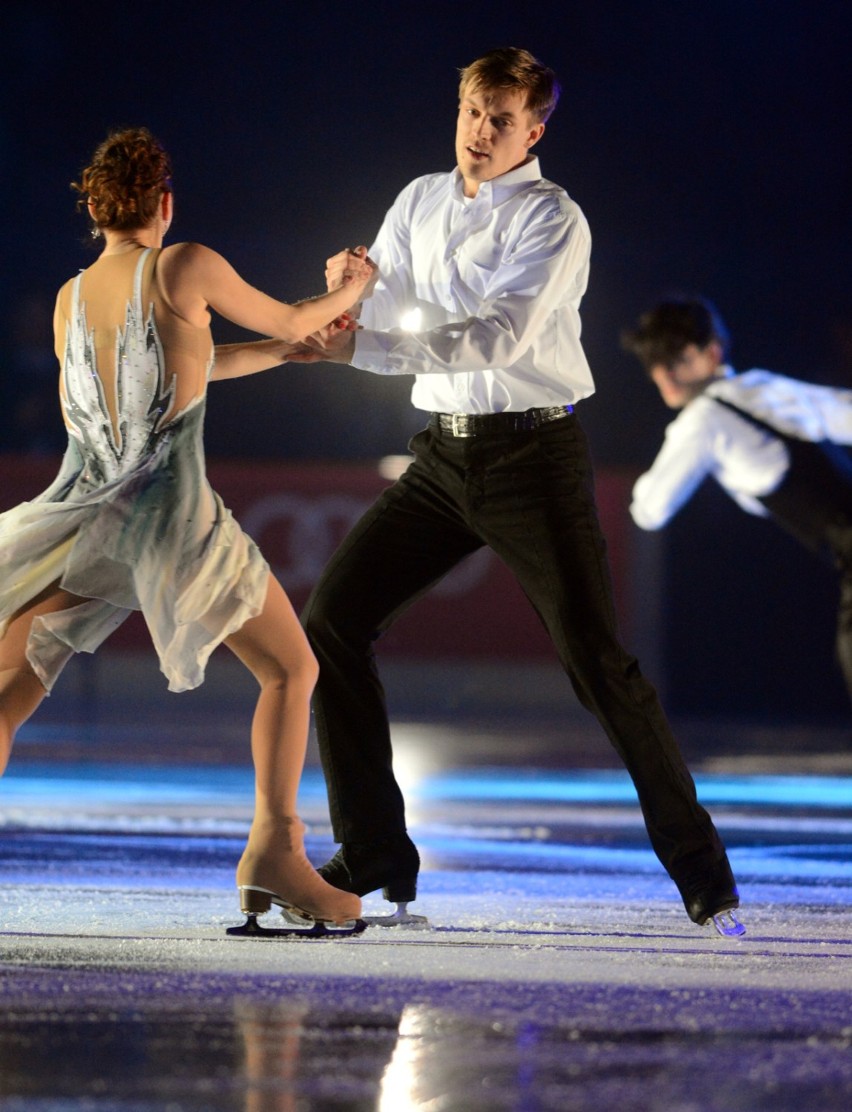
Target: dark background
(708, 145)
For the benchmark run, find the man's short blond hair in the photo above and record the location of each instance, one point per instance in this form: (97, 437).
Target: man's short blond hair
(513, 68)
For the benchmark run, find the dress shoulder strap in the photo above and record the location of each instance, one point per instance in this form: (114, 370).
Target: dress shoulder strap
(137, 281)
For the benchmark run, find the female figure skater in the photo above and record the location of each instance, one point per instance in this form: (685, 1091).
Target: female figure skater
(131, 522)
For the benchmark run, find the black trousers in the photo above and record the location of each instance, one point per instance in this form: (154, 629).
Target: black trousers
(840, 541)
(530, 497)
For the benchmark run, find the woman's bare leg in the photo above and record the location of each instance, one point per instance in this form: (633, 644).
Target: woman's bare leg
(21, 691)
(274, 648)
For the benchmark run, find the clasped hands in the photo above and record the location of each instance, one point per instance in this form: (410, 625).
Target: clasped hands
(336, 342)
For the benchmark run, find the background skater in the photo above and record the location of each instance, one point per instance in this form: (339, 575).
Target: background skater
(777, 445)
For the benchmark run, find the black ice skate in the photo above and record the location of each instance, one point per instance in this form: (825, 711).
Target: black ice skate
(711, 894)
(391, 864)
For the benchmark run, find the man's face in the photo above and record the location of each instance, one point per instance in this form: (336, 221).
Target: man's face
(688, 375)
(494, 134)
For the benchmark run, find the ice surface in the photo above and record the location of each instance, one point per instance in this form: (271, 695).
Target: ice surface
(560, 970)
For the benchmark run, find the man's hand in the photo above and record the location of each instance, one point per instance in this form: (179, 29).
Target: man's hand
(333, 344)
(346, 265)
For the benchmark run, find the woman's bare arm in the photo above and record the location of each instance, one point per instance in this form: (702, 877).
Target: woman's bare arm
(236, 360)
(194, 279)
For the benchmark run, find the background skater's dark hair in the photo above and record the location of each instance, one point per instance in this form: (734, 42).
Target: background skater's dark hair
(664, 331)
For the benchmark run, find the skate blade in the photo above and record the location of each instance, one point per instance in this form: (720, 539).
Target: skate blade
(402, 917)
(727, 924)
(309, 928)
(294, 916)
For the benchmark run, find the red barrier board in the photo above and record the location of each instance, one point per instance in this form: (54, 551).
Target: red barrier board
(298, 513)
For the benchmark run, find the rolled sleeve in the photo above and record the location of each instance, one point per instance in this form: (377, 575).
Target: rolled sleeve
(684, 461)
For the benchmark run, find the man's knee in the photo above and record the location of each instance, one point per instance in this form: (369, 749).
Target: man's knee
(316, 617)
(329, 620)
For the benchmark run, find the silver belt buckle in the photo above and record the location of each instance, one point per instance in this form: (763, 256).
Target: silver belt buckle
(455, 425)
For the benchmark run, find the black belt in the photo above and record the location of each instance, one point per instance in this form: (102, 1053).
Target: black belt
(479, 424)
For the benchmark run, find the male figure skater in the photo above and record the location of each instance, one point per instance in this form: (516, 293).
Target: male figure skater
(775, 444)
(494, 259)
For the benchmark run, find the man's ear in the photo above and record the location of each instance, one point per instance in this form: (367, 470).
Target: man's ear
(715, 350)
(534, 134)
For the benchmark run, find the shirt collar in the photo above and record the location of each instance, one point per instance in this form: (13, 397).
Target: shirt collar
(498, 189)
(726, 371)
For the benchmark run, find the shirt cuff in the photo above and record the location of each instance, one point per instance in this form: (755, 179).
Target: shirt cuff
(371, 351)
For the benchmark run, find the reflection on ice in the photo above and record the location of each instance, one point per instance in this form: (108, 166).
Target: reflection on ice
(285, 1044)
(399, 1084)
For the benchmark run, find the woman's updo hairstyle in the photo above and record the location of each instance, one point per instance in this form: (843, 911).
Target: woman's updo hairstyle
(128, 174)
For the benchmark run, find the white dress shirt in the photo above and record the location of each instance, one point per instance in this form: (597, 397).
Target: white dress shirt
(479, 297)
(710, 439)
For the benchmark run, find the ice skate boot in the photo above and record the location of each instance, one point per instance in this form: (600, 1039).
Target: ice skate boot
(711, 894)
(391, 864)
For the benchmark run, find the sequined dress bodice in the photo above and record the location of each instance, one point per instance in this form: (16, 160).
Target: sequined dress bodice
(142, 398)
